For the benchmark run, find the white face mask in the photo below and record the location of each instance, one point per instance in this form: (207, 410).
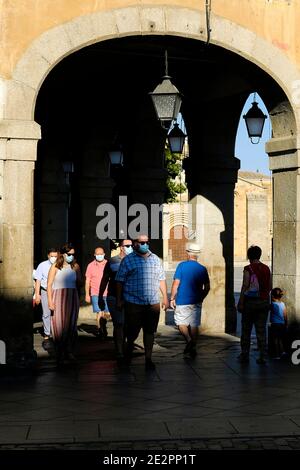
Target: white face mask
(52, 259)
(99, 257)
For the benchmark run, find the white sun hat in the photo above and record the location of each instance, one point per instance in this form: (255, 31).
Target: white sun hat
(193, 248)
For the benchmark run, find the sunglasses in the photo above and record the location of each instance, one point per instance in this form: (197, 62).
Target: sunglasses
(127, 246)
(70, 254)
(143, 243)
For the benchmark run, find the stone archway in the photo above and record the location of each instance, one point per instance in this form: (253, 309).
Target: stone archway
(19, 133)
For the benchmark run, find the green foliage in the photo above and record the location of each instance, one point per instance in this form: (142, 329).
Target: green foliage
(173, 167)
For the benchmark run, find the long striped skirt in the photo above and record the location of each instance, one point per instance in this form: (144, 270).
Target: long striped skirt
(64, 319)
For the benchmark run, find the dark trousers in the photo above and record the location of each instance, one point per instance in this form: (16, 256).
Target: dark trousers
(255, 313)
(140, 316)
(277, 339)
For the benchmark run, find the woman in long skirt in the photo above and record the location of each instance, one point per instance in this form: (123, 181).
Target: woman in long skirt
(63, 282)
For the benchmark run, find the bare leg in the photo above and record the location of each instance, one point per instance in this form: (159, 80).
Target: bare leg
(193, 333)
(186, 332)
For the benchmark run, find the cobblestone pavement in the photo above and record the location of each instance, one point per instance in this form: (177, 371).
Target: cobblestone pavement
(211, 402)
(263, 443)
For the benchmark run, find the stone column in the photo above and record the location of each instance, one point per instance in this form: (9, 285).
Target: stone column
(258, 230)
(147, 186)
(18, 140)
(94, 192)
(212, 227)
(284, 156)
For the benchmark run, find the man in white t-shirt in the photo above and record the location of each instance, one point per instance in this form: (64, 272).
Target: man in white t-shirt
(41, 278)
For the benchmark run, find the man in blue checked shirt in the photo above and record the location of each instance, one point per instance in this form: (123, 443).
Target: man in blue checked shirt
(138, 281)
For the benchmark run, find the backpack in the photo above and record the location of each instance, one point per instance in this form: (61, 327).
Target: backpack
(253, 289)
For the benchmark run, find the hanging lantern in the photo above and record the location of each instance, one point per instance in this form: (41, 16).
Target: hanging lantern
(166, 99)
(176, 138)
(255, 120)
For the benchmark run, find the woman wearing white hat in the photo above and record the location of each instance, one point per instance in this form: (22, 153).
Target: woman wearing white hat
(190, 287)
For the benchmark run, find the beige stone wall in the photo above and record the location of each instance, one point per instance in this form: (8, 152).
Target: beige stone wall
(22, 21)
(252, 214)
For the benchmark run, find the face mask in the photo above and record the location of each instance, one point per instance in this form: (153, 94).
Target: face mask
(99, 257)
(69, 258)
(143, 248)
(52, 259)
(128, 250)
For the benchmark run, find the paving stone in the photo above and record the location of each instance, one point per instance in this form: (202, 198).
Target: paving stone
(257, 424)
(215, 447)
(294, 445)
(199, 401)
(201, 427)
(11, 434)
(226, 443)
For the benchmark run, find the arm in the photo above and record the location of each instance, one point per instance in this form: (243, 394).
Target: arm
(78, 277)
(37, 290)
(87, 291)
(103, 284)
(285, 315)
(51, 277)
(120, 278)
(245, 285)
(205, 290)
(119, 294)
(174, 290)
(163, 289)
(105, 280)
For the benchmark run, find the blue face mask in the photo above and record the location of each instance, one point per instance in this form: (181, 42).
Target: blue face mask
(69, 258)
(128, 250)
(99, 257)
(143, 248)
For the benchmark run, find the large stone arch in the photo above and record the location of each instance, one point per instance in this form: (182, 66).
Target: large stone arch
(19, 93)
(19, 133)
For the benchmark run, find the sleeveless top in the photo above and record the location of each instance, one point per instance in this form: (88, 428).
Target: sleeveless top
(65, 278)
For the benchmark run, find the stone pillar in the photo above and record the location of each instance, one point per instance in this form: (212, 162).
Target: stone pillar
(147, 186)
(212, 223)
(18, 140)
(284, 156)
(94, 192)
(258, 230)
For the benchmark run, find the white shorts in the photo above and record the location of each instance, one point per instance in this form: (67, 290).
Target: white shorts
(189, 315)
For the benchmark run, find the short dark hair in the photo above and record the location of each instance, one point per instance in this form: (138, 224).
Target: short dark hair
(277, 293)
(254, 252)
(123, 240)
(52, 250)
(99, 247)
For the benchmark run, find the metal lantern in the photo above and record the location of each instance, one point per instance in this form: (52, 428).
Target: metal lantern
(255, 120)
(166, 99)
(176, 138)
(116, 156)
(68, 167)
